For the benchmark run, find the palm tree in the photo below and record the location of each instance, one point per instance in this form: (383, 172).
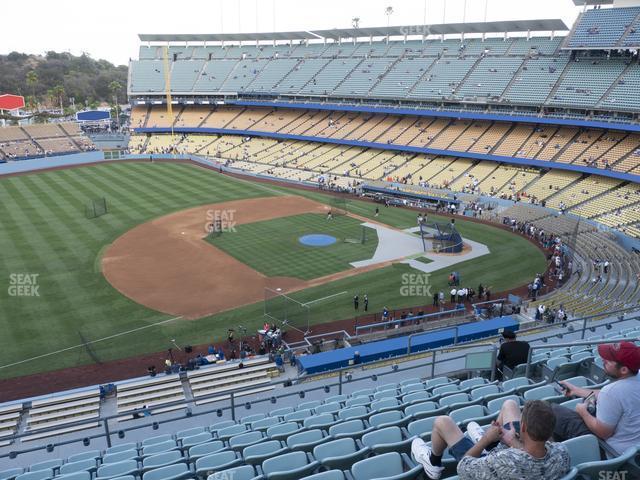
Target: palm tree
(355, 21)
(32, 81)
(114, 88)
(388, 12)
(58, 92)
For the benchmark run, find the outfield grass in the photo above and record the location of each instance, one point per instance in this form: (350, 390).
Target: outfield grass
(44, 232)
(272, 247)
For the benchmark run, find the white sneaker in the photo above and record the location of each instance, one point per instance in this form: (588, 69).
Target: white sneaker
(421, 453)
(475, 431)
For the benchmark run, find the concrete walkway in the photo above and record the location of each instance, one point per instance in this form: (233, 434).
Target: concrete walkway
(394, 245)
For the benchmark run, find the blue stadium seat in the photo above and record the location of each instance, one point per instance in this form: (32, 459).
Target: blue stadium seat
(328, 475)
(388, 419)
(486, 393)
(336, 399)
(472, 383)
(385, 404)
(388, 439)
(123, 447)
(473, 413)
(159, 447)
(281, 412)
(228, 432)
(351, 413)
(332, 407)
(323, 420)
(253, 418)
(11, 473)
(118, 469)
(386, 387)
(44, 474)
(357, 401)
(75, 476)
(258, 453)
(424, 410)
(217, 461)
(282, 431)
(415, 397)
(244, 440)
(546, 392)
(88, 455)
(309, 405)
(162, 460)
(88, 465)
(351, 428)
(53, 463)
(264, 424)
(583, 449)
(306, 441)
(189, 432)
(157, 439)
(422, 428)
(436, 381)
(339, 454)
(178, 471)
(385, 394)
(205, 449)
(243, 472)
(386, 466)
(495, 405)
(120, 456)
(220, 425)
(290, 466)
(197, 439)
(298, 415)
(410, 381)
(444, 389)
(412, 387)
(363, 392)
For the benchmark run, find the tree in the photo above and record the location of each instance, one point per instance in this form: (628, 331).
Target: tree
(32, 81)
(114, 88)
(59, 93)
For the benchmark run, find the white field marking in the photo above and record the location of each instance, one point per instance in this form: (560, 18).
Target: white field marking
(92, 341)
(324, 298)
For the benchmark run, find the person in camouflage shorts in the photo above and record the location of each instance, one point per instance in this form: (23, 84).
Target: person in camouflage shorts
(515, 447)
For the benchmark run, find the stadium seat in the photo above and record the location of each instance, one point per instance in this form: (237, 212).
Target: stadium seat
(385, 394)
(340, 453)
(160, 447)
(328, 475)
(264, 424)
(386, 466)
(352, 413)
(189, 432)
(118, 469)
(495, 405)
(472, 383)
(388, 439)
(444, 389)
(123, 447)
(217, 461)
(298, 415)
(410, 381)
(249, 419)
(243, 472)
(220, 425)
(415, 397)
(157, 439)
(283, 430)
(244, 440)
(226, 433)
(53, 464)
(473, 413)
(323, 420)
(178, 471)
(88, 465)
(583, 449)
(290, 466)
(571, 404)
(10, 473)
(545, 392)
(412, 387)
(424, 410)
(162, 460)
(351, 428)
(596, 469)
(385, 404)
(573, 473)
(434, 382)
(258, 453)
(197, 439)
(75, 476)
(205, 449)
(91, 454)
(309, 405)
(332, 407)
(44, 474)
(120, 456)
(486, 393)
(357, 401)
(281, 412)
(336, 399)
(388, 419)
(386, 387)
(364, 392)
(306, 441)
(422, 428)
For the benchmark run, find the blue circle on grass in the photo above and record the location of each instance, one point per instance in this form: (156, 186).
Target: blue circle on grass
(317, 240)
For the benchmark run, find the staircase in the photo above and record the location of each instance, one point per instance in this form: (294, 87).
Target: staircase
(613, 85)
(347, 76)
(556, 87)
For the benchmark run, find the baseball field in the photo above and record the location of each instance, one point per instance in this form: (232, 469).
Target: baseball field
(143, 276)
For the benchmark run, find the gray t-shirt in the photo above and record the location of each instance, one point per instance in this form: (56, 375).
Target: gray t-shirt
(618, 406)
(504, 463)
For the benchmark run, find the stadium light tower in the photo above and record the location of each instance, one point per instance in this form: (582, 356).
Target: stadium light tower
(388, 12)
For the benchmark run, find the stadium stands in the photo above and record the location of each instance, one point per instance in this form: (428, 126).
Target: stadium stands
(42, 140)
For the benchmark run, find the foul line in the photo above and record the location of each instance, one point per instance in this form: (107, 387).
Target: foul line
(324, 298)
(88, 343)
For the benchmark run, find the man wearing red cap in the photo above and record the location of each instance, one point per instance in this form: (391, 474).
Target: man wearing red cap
(617, 416)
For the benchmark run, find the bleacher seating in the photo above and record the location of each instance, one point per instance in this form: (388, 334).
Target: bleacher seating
(602, 28)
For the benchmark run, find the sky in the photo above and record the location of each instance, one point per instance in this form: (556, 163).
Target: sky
(108, 30)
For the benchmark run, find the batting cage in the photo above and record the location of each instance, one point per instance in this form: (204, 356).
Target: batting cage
(286, 311)
(360, 240)
(96, 208)
(444, 237)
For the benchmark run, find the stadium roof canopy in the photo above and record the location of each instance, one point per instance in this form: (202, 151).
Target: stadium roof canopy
(581, 3)
(549, 25)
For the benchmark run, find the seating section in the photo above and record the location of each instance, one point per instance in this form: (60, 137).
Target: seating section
(603, 28)
(9, 418)
(150, 395)
(39, 140)
(56, 413)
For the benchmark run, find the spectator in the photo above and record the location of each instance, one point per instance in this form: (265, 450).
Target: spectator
(523, 450)
(617, 416)
(512, 352)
